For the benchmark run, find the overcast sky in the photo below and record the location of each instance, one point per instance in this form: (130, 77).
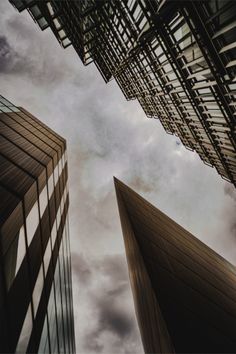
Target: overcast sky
(108, 136)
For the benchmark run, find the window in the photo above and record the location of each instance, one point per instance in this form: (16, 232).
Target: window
(14, 257)
(53, 234)
(43, 200)
(32, 222)
(44, 345)
(56, 175)
(47, 257)
(38, 290)
(25, 332)
(50, 186)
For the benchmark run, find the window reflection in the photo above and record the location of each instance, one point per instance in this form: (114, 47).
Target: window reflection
(53, 234)
(32, 222)
(52, 322)
(14, 257)
(43, 200)
(38, 288)
(47, 257)
(50, 186)
(44, 342)
(25, 332)
(56, 175)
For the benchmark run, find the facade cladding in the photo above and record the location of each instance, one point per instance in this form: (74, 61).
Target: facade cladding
(36, 308)
(177, 58)
(184, 293)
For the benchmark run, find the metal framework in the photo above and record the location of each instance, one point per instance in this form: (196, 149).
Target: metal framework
(177, 58)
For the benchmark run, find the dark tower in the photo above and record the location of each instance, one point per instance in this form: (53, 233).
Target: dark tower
(184, 293)
(36, 308)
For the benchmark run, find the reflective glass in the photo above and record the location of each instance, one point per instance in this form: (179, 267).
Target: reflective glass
(52, 322)
(25, 332)
(43, 200)
(47, 257)
(14, 257)
(35, 11)
(53, 234)
(32, 222)
(43, 345)
(50, 185)
(38, 288)
(21, 249)
(56, 175)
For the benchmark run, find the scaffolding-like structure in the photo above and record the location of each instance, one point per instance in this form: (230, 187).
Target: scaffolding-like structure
(177, 58)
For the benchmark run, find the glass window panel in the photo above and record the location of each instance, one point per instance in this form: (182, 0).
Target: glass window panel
(50, 186)
(21, 249)
(50, 8)
(15, 109)
(5, 102)
(35, 11)
(42, 23)
(5, 109)
(25, 332)
(62, 34)
(52, 322)
(56, 23)
(53, 234)
(32, 222)
(14, 257)
(17, 3)
(47, 257)
(63, 160)
(37, 292)
(43, 345)
(56, 175)
(60, 167)
(43, 200)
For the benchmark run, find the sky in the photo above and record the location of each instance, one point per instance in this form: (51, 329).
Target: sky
(108, 136)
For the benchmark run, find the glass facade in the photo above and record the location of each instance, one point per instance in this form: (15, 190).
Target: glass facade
(184, 293)
(177, 58)
(36, 306)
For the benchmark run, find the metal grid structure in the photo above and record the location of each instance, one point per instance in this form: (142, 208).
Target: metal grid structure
(36, 307)
(178, 58)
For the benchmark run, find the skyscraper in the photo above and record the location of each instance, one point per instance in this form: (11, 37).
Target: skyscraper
(184, 293)
(177, 58)
(36, 308)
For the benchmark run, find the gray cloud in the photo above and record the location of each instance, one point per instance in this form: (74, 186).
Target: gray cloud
(112, 317)
(10, 61)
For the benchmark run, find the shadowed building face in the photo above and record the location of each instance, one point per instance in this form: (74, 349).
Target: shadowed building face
(184, 293)
(36, 310)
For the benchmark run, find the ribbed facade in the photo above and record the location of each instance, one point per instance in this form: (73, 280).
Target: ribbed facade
(177, 58)
(36, 307)
(184, 293)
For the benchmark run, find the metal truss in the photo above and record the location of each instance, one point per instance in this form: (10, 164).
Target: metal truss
(177, 58)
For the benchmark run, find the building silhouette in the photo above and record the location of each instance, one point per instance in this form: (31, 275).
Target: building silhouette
(184, 293)
(177, 58)
(36, 308)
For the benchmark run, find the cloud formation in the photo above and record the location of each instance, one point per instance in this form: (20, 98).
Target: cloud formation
(104, 287)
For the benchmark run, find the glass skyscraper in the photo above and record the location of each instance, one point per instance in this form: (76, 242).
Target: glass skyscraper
(184, 292)
(36, 307)
(177, 58)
